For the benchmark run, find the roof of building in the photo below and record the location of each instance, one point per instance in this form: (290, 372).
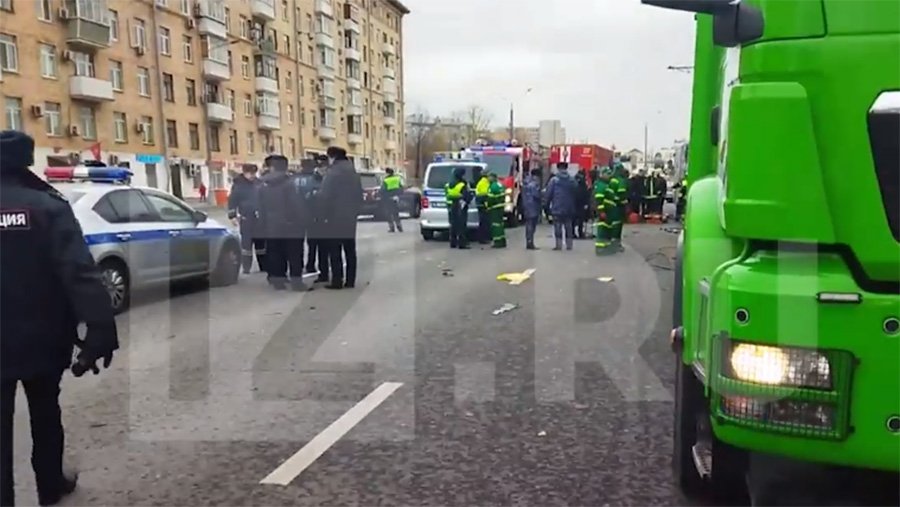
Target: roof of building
(399, 6)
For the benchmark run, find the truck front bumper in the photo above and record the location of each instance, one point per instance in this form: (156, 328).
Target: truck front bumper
(803, 364)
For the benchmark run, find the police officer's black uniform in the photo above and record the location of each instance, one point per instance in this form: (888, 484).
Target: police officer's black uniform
(243, 203)
(282, 215)
(309, 181)
(48, 284)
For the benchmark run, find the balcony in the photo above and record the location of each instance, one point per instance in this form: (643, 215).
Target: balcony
(267, 84)
(264, 9)
(389, 90)
(354, 138)
(325, 71)
(265, 47)
(388, 49)
(352, 25)
(215, 70)
(390, 145)
(389, 121)
(324, 39)
(90, 89)
(325, 7)
(354, 110)
(326, 133)
(213, 27)
(219, 113)
(327, 102)
(390, 73)
(354, 83)
(268, 121)
(86, 34)
(352, 54)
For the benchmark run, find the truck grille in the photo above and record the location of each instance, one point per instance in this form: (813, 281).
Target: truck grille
(884, 132)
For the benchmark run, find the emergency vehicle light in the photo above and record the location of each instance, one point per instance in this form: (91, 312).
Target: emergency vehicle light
(84, 173)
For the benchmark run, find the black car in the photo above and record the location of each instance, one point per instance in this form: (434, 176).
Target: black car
(410, 199)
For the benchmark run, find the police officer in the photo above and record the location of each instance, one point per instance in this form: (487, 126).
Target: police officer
(308, 182)
(341, 201)
(48, 285)
(482, 185)
(281, 213)
(243, 205)
(459, 195)
(391, 188)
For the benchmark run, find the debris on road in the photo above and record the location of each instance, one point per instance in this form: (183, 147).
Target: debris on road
(516, 278)
(542, 433)
(508, 307)
(671, 230)
(445, 269)
(605, 279)
(581, 406)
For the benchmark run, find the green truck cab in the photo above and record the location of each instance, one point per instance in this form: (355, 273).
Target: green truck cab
(788, 277)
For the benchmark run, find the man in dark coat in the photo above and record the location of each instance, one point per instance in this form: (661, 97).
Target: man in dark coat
(49, 284)
(341, 200)
(582, 204)
(561, 196)
(309, 181)
(531, 206)
(243, 205)
(282, 218)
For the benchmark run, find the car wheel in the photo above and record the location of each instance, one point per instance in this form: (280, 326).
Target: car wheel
(117, 284)
(427, 235)
(416, 209)
(227, 267)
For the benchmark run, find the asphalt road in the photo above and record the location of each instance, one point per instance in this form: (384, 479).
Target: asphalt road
(419, 394)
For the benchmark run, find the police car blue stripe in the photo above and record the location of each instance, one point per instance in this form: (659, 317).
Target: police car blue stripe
(434, 193)
(156, 234)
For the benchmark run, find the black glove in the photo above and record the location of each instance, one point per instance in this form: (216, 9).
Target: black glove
(88, 361)
(100, 342)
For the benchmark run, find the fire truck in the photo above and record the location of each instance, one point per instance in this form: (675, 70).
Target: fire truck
(509, 161)
(581, 157)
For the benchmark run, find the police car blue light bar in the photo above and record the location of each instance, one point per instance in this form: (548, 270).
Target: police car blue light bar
(84, 173)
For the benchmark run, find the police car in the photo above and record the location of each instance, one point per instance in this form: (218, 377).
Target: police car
(434, 215)
(142, 236)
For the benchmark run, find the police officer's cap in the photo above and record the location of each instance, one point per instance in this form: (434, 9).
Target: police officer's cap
(16, 149)
(278, 162)
(562, 165)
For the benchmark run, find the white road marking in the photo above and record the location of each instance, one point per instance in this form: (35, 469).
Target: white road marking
(309, 453)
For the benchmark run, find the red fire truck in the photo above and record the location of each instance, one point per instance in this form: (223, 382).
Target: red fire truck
(582, 157)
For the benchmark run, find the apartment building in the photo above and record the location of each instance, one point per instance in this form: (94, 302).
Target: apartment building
(188, 91)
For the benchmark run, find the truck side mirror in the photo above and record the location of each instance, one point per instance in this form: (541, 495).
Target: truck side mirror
(740, 24)
(699, 6)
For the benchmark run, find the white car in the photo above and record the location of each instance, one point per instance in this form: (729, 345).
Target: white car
(143, 236)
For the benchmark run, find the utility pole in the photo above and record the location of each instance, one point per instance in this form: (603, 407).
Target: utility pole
(645, 146)
(512, 125)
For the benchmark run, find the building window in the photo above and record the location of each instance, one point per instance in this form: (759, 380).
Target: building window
(52, 119)
(45, 11)
(326, 117)
(6, 5)
(232, 103)
(245, 27)
(187, 48)
(113, 26)
(194, 134)
(139, 33)
(214, 138)
(9, 53)
(251, 143)
(289, 82)
(48, 60)
(165, 41)
(190, 86)
(186, 7)
(168, 87)
(228, 19)
(248, 106)
(287, 45)
(144, 81)
(245, 66)
(268, 105)
(120, 127)
(116, 75)
(290, 114)
(161, 3)
(265, 66)
(84, 64)
(233, 142)
(13, 109)
(87, 122)
(172, 133)
(146, 124)
(293, 145)
(285, 12)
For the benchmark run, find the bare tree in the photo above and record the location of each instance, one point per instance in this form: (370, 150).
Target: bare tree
(477, 122)
(419, 129)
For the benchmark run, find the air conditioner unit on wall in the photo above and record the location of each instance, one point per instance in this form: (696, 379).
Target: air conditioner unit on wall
(190, 23)
(73, 130)
(139, 127)
(62, 13)
(37, 110)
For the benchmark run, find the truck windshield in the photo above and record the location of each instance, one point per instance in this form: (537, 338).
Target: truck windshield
(501, 165)
(440, 175)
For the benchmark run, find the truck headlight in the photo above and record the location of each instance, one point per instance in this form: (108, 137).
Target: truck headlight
(778, 366)
(508, 199)
(508, 191)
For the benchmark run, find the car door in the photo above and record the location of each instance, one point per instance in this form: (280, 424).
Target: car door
(189, 245)
(135, 229)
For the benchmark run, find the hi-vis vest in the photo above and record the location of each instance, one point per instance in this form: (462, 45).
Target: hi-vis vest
(392, 183)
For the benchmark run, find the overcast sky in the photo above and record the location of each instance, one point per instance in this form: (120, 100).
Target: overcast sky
(599, 66)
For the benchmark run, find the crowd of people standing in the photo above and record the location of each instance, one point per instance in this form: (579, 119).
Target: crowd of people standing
(299, 222)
